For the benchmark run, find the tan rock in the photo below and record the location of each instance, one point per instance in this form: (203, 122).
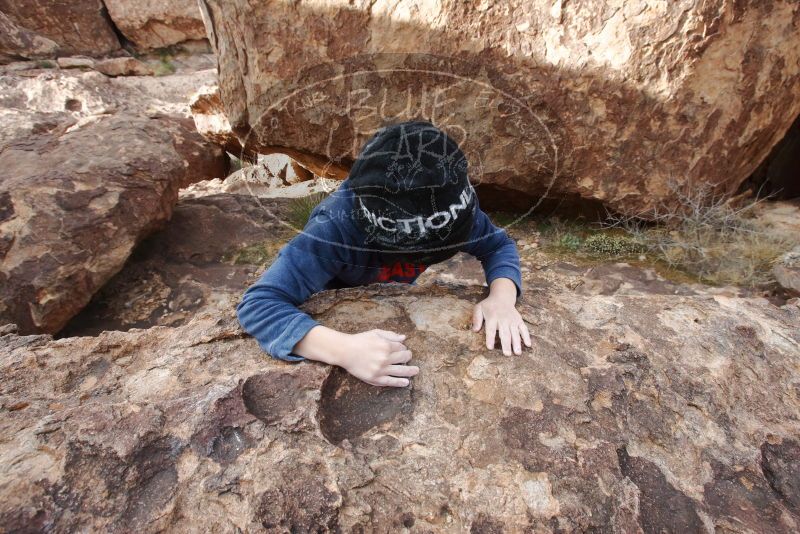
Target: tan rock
(787, 271)
(156, 24)
(77, 27)
(123, 66)
(194, 429)
(75, 62)
(607, 101)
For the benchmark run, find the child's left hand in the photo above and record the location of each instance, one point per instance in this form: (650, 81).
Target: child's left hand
(499, 313)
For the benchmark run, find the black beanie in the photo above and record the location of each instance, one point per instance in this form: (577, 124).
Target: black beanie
(412, 194)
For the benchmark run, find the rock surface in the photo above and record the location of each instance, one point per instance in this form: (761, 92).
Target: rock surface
(209, 117)
(787, 271)
(92, 165)
(210, 251)
(632, 413)
(154, 23)
(77, 26)
(77, 196)
(17, 42)
(123, 66)
(581, 99)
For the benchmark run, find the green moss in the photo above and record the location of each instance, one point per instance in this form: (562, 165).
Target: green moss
(263, 253)
(570, 241)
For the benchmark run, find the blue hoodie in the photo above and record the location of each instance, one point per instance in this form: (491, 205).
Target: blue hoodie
(331, 253)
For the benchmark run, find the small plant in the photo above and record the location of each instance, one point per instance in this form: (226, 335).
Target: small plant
(562, 235)
(300, 209)
(570, 241)
(46, 64)
(165, 66)
(256, 254)
(609, 244)
(707, 235)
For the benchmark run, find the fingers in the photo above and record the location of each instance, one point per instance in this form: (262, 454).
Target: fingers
(391, 381)
(477, 318)
(396, 346)
(402, 370)
(391, 336)
(491, 331)
(516, 343)
(505, 339)
(526, 336)
(401, 356)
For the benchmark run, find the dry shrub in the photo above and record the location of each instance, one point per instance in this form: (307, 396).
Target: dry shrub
(709, 235)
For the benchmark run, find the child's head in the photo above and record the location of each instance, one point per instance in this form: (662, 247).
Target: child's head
(413, 197)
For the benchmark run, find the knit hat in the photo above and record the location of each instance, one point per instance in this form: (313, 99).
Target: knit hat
(413, 197)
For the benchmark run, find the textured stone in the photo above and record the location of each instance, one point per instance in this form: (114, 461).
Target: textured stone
(209, 117)
(76, 27)
(123, 66)
(155, 23)
(209, 251)
(632, 412)
(608, 101)
(75, 62)
(76, 196)
(787, 271)
(18, 42)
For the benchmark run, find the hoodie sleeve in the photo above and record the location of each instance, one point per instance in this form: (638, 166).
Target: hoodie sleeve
(269, 308)
(496, 251)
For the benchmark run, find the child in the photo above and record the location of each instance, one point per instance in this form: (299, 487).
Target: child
(406, 204)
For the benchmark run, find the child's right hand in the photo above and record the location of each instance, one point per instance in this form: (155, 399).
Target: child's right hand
(378, 357)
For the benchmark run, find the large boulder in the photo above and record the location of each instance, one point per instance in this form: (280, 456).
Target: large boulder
(17, 42)
(632, 413)
(211, 250)
(77, 27)
(154, 23)
(76, 196)
(609, 101)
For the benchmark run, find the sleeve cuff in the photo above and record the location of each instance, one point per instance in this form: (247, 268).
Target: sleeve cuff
(506, 272)
(282, 347)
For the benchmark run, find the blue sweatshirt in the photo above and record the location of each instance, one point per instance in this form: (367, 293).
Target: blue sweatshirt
(330, 253)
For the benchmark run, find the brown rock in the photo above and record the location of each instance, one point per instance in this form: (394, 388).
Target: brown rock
(76, 197)
(156, 24)
(123, 66)
(18, 42)
(209, 117)
(659, 414)
(77, 27)
(209, 252)
(608, 101)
